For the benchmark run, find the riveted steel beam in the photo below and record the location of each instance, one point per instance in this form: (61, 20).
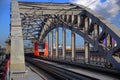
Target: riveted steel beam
(51, 43)
(63, 42)
(57, 42)
(73, 46)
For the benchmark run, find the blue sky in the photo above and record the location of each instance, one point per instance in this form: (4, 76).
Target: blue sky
(5, 16)
(4, 20)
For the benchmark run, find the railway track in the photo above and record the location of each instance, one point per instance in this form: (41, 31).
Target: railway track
(72, 72)
(96, 68)
(40, 72)
(57, 72)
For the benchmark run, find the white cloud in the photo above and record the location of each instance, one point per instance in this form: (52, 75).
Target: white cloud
(108, 9)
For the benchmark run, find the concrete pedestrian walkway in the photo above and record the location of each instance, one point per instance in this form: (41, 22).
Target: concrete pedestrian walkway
(30, 75)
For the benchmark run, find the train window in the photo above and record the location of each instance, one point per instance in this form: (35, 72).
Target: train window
(41, 45)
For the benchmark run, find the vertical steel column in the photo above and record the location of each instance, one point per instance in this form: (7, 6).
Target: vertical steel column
(73, 46)
(51, 42)
(78, 24)
(72, 19)
(68, 18)
(73, 40)
(57, 42)
(63, 16)
(47, 37)
(96, 31)
(86, 24)
(86, 44)
(64, 42)
(17, 63)
(112, 42)
(109, 41)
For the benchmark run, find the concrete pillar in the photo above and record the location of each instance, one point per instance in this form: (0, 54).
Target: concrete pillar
(17, 62)
(63, 42)
(86, 44)
(73, 46)
(57, 42)
(51, 43)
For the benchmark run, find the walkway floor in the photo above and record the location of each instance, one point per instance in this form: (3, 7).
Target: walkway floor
(30, 75)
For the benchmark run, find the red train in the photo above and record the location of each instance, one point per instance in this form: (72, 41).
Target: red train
(40, 49)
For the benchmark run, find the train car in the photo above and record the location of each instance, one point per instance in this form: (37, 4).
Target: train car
(40, 49)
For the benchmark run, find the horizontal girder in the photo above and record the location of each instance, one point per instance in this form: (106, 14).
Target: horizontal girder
(48, 8)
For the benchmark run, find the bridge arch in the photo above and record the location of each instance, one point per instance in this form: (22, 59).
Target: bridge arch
(84, 24)
(79, 19)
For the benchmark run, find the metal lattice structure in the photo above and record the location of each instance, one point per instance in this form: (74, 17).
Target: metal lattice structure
(39, 19)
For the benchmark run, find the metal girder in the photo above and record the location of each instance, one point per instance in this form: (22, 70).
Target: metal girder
(51, 44)
(79, 19)
(31, 27)
(50, 11)
(63, 43)
(85, 28)
(73, 46)
(48, 8)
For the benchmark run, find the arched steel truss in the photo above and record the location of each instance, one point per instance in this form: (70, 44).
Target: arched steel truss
(38, 19)
(91, 26)
(95, 32)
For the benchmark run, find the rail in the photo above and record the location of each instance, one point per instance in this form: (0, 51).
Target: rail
(59, 73)
(62, 71)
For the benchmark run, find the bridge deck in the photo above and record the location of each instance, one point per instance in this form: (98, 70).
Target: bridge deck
(30, 75)
(94, 74)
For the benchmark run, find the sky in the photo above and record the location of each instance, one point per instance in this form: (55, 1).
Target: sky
(109, 9)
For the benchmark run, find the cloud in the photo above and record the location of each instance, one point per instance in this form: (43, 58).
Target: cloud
(109, 8)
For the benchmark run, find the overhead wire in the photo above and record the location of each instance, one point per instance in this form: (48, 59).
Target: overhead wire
(91, 3)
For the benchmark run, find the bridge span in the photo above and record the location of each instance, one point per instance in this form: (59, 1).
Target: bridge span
(37, 21)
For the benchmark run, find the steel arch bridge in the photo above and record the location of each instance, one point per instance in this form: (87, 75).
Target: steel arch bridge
(34, 20)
